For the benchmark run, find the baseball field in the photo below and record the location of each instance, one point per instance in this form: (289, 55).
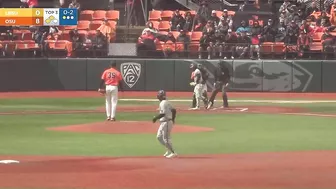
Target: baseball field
(264, 140)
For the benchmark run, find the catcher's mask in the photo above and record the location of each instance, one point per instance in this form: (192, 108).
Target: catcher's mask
(161, 95)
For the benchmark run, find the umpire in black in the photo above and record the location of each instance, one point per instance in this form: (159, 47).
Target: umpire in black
(222, 78)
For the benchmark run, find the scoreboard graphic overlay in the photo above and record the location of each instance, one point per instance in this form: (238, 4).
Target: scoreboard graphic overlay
(38, 17)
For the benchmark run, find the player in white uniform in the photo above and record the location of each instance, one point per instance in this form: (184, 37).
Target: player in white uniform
(166, 117)
(199, 87)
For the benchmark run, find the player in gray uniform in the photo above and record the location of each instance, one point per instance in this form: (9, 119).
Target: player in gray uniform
(166, 117)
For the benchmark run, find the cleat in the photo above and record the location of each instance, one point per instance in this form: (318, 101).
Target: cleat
(108, 119)
(172, 155)
(196, 108)
(210, 105)
(113, 119)
(166, 154)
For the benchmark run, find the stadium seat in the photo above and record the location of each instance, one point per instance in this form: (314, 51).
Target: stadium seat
(86, 15)
(266, 48)
(175, 34)
(193, 47)
(333, 33)
(27, 36)
(166, 15)
(317, 36)
(192, 12)
(316, 46)
(154, 15)
(83, 33)
(70, 27)
(163, 32)
(156, 24)
(65, 35)
(91, 33)
(112, 23)
(95, 24)
(196, 36)
(83, 25)
(99, 15)
(182, 12)
(219, 13)
(278, 48)
(231, 13)
(164, 26)
(112, 15)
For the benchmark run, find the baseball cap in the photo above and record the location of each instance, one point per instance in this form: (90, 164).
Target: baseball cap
(225, 10)
(229, 30)
(213, 11)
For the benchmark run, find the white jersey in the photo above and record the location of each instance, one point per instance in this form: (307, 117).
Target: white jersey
(165, 108)
(198, 74)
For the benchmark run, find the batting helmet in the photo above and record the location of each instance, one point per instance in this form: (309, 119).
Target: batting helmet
(199, 66)
(192, 66)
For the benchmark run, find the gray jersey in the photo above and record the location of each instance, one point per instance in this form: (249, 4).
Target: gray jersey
(198, 74)
(165, 108)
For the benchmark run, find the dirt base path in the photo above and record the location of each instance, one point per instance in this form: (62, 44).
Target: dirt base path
(126, 127)
(264, 170)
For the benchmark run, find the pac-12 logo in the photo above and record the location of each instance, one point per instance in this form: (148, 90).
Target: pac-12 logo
(130, 72)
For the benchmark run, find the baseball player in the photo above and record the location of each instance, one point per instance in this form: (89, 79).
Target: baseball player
(112, 79)
(222, 78)
(167, 117)
(199, 75)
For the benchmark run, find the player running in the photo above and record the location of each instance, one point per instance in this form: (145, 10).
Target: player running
(167, 117)
(199, 76)
(112, 79)
(222, 78)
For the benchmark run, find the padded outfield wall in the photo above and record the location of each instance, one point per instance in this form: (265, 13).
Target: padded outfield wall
(170, 75)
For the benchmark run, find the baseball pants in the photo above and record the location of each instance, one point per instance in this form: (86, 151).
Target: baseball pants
(220, 86)
(164, 135)
(198, 90)
(204, 96)
(111, 98)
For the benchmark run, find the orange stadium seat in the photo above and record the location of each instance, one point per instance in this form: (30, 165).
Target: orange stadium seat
(166, 15)
(70, 27)
(156, 24)
(317, 36)
(112, 15)
(154, 15)
(86, 15)
(278, 47)
(175, 34)
(92, 33)
(27, 36)
(231, 13)
(83, 25)
(99, 15)
(219, 13)
(193, 47)
(95, 24)
(196, 36)
(316, 46)
(65, 35)
(82, 33)
(192, 12)
(182, 12)
(112, 23)
(163, 32)
(164, 26)
(266, 48)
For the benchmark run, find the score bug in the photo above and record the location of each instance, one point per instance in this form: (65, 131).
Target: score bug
(51, 11)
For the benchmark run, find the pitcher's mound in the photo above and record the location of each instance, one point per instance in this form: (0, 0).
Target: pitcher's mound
(126, 127)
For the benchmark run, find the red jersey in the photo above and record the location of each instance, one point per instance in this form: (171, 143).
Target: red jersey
(111, 76)
(32, 3)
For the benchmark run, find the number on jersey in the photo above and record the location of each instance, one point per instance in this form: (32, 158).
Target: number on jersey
(111, 75)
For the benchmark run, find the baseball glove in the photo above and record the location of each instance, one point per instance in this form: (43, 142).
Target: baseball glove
(102, 91)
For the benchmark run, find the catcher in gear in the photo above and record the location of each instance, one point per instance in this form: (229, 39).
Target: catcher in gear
(222, 78)
(204, 77)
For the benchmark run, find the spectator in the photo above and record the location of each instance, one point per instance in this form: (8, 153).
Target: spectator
(184, 40)
(219, 43)
(146, 44)
(169, 44)
(312, 9)
(323, 20)
(204, 11)
(223, 27)
(29, 3)
(54, 33)
(243, 28)
(332, 7)
(285, 6)
(243, 44)
(284, 17)
(227, 18)
(255, 39)
(209, 28)
(328, 42)
(77, 42)
(333, 18)
(188, 22)
(269, 32)
(99, 44)
(206, 45)
(200, 24)
(305, 38)
(231, 40)
(107, 30)
(150, 27)
(214, 18)
(177, 21)
(6, 33)
(301, 15)
(281, 32)
(39, 36)
(291, 40)
(75, 5)
(134, 13)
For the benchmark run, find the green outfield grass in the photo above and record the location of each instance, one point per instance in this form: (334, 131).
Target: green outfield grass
(234, 133)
